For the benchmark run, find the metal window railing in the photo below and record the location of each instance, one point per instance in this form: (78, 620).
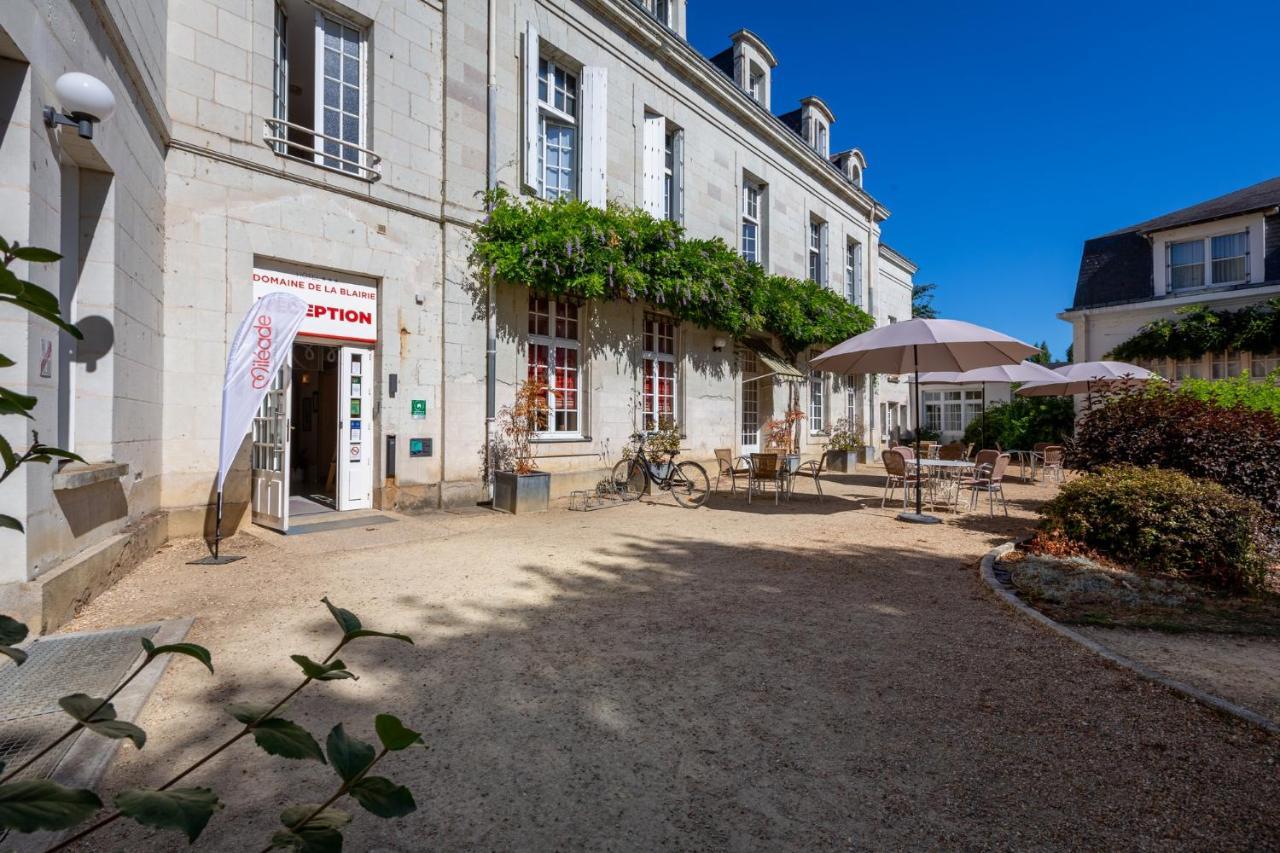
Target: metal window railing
(275, 133)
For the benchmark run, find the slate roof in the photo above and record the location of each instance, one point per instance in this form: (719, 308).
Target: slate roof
(1117, 267)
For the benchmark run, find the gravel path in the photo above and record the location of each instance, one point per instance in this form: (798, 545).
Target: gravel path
(814, 676)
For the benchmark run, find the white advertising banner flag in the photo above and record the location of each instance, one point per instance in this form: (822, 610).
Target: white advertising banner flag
(336, 310)
(260, 346)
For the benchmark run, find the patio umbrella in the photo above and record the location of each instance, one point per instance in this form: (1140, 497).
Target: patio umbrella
(915, 345)
(1023, 371)
(1084, 376)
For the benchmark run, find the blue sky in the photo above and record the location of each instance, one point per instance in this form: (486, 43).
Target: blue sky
(1001, 135)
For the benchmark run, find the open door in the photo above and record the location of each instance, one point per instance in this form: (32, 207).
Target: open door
(270, 454)
(355, 465)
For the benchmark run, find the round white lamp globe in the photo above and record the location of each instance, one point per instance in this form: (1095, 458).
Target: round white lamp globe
(82, 94)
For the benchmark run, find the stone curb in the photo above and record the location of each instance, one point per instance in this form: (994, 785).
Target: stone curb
(1215, 702)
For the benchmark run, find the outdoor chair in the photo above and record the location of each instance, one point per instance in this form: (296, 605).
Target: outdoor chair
(1054, 457)
(988, 478)
(814, 468)
(1037, 456)
(968, 450)
(952, 452)
(765, 473)
(898, 473)
(906, 451)
(734, 469)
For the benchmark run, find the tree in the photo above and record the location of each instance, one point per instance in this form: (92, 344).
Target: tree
(1042, 357)
(922, 301)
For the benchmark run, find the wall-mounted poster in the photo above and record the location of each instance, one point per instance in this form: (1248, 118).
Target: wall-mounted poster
(355, 430)
(355, 407)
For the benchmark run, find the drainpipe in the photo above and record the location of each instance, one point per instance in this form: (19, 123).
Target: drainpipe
(491, 312)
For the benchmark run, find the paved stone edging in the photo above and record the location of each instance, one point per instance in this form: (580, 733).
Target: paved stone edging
(1216, 702)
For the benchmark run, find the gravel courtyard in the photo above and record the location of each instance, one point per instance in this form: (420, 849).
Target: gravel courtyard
(811, 676)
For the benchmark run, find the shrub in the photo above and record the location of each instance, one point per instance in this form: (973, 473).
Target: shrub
(1236, 447)
(1236, 392)
(1163, 521)
(1023, 422)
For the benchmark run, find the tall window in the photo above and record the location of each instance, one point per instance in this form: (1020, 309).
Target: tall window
(553, 359)
(853, 272)
(1223, 259)
(662, 11)
(817, 397)
(755, 86)
(747, 368)
(817, 249)
(659, 391)
(1226, 364)
(751, 222)
(821, 142)
(557, 130)
(318, 93)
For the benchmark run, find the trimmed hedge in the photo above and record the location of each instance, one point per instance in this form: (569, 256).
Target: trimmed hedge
(1236, 447)
(1166, 522)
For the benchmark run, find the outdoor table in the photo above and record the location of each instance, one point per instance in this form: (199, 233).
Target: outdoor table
(951, 469)
(1025, 458)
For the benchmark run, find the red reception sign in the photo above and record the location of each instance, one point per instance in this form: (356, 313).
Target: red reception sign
(337, 310)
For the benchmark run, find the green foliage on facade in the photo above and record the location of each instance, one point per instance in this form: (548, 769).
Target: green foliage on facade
(570, 248)
(1199, 329)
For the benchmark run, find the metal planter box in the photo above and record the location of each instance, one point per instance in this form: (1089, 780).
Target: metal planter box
(517, 493)
(842, 461)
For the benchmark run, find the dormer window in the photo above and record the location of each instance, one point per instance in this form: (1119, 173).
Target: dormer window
(855, 175)
(662, 11)
(814, 125)
(755, 87)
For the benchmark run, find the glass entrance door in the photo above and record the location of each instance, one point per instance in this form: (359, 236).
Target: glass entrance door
(355, 422)
(270, 453)
(749, 439)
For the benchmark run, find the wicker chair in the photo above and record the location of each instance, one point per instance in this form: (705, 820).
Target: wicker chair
(952, 452)
(1054, 457)
(898, 473)
(989, 479)
(766, 473)
(734, 469)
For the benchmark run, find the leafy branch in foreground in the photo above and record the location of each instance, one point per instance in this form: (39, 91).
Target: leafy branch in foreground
(31, 805)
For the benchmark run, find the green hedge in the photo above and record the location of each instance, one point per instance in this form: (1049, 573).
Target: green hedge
(1163, 521)
(570, 248)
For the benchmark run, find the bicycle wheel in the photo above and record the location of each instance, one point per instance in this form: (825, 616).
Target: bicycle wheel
(629, 479)
(690, 485)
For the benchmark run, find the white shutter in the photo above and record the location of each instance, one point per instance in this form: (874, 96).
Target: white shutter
(823, 260)
(677, 178)
(595, 100)
(654, 154)
(531, 105)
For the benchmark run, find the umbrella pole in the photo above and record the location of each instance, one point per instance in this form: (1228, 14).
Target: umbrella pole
(915, 358)
(982, 431)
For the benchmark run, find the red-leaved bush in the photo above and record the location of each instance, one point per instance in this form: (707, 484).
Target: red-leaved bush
(1235, 447)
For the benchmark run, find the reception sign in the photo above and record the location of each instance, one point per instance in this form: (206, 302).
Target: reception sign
(336, 310)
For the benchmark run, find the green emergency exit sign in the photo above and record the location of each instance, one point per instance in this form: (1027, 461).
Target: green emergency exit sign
(418, 409)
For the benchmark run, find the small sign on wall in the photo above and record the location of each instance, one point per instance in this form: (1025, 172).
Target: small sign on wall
(418, 410)
(419, 447)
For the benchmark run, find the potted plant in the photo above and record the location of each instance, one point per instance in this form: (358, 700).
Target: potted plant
(519, 486)
(844, 446)
(660, 445)
(780, 434)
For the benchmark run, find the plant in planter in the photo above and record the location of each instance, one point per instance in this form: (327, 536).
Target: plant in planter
(844, 446)
(522, 487)
(780, 434)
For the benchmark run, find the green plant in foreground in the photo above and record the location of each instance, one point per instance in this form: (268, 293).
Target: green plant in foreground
(32, 805)
(35, 300)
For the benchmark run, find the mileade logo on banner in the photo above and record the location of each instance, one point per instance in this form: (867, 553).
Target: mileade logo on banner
(336, 310)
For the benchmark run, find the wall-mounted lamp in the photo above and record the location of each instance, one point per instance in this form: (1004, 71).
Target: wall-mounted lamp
(719, 344)
(85, 100)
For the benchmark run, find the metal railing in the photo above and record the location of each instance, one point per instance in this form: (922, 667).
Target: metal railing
(275, 133)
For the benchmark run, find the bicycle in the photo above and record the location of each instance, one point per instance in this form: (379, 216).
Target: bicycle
(688, 481)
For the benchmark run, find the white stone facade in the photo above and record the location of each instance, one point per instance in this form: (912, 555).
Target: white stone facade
(216, 176)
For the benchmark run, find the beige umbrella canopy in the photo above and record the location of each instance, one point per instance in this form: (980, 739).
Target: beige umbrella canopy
(1023, 371)
(915, 345)
(1085, 377)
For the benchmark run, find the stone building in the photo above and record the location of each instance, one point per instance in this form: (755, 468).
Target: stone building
(341, 150)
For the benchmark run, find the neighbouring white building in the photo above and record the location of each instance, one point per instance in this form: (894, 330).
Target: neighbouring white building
(340, 149)
(1223, 253)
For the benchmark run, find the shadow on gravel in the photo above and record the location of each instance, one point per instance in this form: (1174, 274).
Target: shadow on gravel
(678, 692)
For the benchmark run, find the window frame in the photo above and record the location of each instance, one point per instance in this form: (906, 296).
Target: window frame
(553, 342)
(1207, 261)
(853, 272)
(551, 115)
(322, 157)
(817, 250)
(651, 358)
(748, 218)
(817, 398)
